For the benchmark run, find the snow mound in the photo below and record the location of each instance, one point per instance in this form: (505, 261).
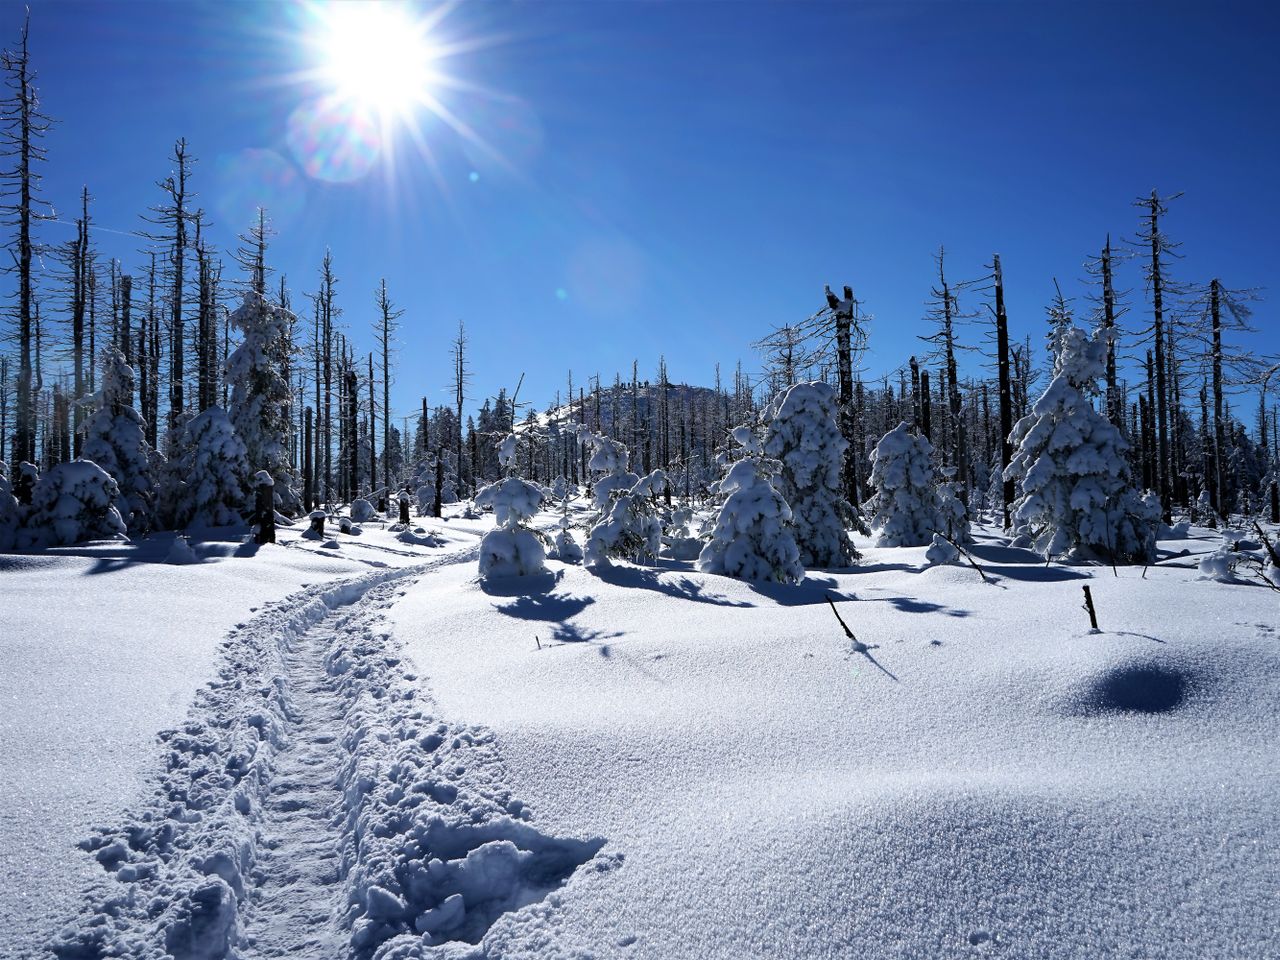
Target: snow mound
(181, 552)
(362, 511)
(419, 537)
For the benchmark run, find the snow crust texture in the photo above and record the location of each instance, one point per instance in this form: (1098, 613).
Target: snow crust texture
(311, 806)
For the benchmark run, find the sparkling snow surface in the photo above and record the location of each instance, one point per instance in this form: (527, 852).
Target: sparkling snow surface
(978, 774)
(102, 647)
(988, 778)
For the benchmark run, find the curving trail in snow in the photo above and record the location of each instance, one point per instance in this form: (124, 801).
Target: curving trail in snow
(312, 806)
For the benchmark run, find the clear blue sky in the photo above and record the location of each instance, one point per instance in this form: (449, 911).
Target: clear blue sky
(678, 177)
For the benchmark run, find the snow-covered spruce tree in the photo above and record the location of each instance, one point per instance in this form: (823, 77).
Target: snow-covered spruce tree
(630, 528)
(905, 503)
(10, 514)
(115, 440)
(953, 515)
(214, 473)
(609, 459)
(752, 538)
(260, 394)
(804, 437)
(72, 503)
(1070, 467)
(513, 548)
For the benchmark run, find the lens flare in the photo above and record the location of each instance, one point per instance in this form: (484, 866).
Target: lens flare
(257, 177)
(333, 139)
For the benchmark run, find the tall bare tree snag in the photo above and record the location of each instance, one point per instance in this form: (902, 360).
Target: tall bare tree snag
(1156, 247)
(385, 333)
(1005, 377)
(844, 314)
(173, 216)
(77, 259)
(1115, 404)
(460, 380)
(944, 311)
(21, 131)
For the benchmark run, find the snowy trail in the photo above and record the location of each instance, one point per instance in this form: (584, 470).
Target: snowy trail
(312, 806)
(296, 885)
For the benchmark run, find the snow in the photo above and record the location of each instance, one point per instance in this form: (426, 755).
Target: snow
(371, 752)
(984, 776)
(104, 645)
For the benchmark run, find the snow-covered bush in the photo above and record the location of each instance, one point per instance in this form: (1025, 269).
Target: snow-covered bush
(609, 459)
(941, 550)
(362, 510)
(1070, 467)
(72, 503)
(507, 450)
(260, 394)
(752, 538)
(1220, 565)
(953, 515)
(630, 528)
(804, 437)
(213, 473)
(115, 440)
(566, 548)
(905, 503)
(180, 552)
(678, 537)
(10, 514)
(513, 549)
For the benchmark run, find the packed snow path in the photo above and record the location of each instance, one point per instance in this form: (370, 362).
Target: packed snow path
(311, 806)
(297, 892)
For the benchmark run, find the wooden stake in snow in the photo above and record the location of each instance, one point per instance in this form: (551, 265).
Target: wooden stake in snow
(1088, 605)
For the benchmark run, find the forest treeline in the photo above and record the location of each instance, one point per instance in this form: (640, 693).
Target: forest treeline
(207, 354)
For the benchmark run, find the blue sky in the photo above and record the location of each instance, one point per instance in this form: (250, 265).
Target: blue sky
(677, 178)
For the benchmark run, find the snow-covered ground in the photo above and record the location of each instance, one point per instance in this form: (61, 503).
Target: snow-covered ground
(372, 753)
(103, 647)
(987, 777)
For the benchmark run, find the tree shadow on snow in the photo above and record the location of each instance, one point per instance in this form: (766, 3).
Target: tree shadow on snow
(521, 587)
(682, 588)
(914, 605)
(808, 591)
(1000, 553)
(546, 606)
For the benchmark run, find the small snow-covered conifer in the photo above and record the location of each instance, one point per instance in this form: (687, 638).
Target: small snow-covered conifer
(513, 549)
(115, 440)
(213, 472)
(805, 438)
(630, 528)
(905, 503)
(1069, 464)
(752, 538)
(260, 395)
(608, 458)
(953, 515)
(72, 503)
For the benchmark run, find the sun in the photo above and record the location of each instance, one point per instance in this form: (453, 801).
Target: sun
(378, 56)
